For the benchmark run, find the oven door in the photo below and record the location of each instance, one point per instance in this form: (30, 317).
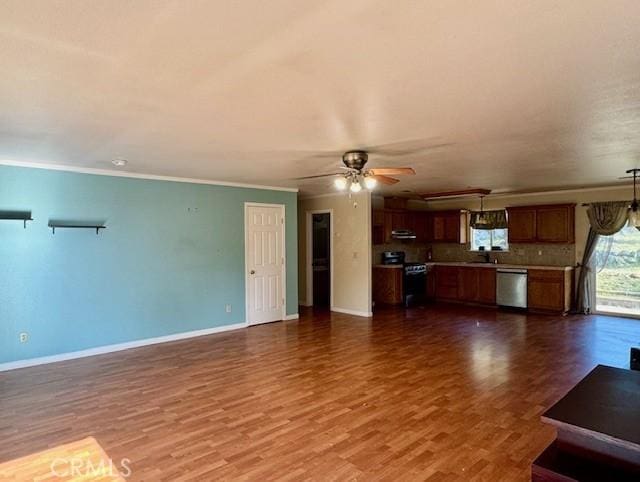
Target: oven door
(414, 287)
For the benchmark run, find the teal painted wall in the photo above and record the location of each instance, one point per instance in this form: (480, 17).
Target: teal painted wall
(170, 259)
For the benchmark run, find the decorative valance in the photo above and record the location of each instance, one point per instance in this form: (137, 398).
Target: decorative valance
(607, 218)
(494, 219)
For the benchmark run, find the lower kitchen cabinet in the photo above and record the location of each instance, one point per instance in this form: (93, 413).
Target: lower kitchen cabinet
(549, 290)
(487, 285)
(468, 283)
(446, 281)
(465, 283)
(387, 286)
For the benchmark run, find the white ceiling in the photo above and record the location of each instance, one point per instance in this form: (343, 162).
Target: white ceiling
(518, 94)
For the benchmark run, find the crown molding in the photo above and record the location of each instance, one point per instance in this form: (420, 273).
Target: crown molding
(136, 175)
(508, 194)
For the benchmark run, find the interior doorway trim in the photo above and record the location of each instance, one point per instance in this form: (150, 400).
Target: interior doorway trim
(309, 251)
(283, 277)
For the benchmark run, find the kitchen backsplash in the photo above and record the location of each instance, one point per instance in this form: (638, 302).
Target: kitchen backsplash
(531, 254)
(413, 252)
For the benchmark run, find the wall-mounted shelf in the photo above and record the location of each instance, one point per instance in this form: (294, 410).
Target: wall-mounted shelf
(23, 216)
(75, 225)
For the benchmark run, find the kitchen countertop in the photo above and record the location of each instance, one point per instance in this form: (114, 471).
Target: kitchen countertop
(499, 265)
(480, 265)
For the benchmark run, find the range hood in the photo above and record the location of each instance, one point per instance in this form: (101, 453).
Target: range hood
(403, 234)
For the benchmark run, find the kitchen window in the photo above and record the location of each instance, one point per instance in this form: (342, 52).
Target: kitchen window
(486, 239)
(488, 230)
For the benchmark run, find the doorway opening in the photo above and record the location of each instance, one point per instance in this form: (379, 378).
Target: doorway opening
(617, 273)
(319, 259)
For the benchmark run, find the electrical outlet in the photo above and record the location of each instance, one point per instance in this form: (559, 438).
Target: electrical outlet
(24, 337)
(227, 308)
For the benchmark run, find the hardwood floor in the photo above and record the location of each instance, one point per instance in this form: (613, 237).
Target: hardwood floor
(438, 393)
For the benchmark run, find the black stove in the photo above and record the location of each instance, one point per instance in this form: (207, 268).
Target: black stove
(414, 279)
(414, 283)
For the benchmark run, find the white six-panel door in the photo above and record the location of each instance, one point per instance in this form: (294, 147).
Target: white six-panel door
(264, 255)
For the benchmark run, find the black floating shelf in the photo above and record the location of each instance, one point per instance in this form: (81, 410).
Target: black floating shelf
(74, 225)
(23, 216)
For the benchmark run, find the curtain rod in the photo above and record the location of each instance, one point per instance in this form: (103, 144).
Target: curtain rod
(588, 204)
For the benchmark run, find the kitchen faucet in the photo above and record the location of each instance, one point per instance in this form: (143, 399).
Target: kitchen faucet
(486, 256)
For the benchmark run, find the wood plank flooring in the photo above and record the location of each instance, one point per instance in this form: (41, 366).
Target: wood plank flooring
(442, 393)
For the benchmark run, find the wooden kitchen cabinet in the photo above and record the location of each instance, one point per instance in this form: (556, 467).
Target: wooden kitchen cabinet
(542, 224)
(387, 285)
(448, 227)
(385, 221)
(522, 225)
(377, 227)
(468, 283)
(446, 281)
(487, 285)
(555, 224)
(549, 290)
(417, 222)
(477, 284)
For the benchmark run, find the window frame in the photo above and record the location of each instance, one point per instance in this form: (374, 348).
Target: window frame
(476, 250)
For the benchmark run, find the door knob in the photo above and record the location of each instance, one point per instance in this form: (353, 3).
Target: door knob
(253, 271)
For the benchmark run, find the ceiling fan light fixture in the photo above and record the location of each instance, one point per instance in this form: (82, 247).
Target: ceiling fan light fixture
(355, 186)
(370, 182)
(340, 183)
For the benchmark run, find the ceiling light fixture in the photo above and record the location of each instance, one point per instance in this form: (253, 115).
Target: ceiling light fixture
(119, 162)
(355, 186)
(370, 182)
(340, 183)
(634, 210)
(482, 219)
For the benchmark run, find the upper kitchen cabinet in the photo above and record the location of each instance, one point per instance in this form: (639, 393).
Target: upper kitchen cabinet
(556, 224)
(385, 221)
(378, 234)
(448, 226)
(522, 225)
(542, 224)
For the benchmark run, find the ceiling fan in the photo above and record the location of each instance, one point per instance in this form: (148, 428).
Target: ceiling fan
(355, 176)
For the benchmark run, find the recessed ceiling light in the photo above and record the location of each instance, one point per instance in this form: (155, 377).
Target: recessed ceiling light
(119, 162)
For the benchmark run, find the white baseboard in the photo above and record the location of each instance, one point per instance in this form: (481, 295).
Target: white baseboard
(366, 314)
(294, 316)
(101, 350)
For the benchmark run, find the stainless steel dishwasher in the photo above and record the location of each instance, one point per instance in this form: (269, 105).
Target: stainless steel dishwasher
(511, 287)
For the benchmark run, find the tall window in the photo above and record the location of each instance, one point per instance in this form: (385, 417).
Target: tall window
(617, 270)
(489, 238)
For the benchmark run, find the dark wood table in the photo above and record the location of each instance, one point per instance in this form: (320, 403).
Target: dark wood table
(598, 424)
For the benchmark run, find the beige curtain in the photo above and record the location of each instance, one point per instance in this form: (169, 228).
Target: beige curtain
(495, 219)
(606, 218)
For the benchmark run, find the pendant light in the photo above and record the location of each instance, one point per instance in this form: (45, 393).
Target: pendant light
(481, 219)
(634, 209)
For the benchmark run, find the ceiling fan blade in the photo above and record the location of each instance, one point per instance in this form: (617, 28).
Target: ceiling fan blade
(318, 176)
(392, 171)
(385, 179)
